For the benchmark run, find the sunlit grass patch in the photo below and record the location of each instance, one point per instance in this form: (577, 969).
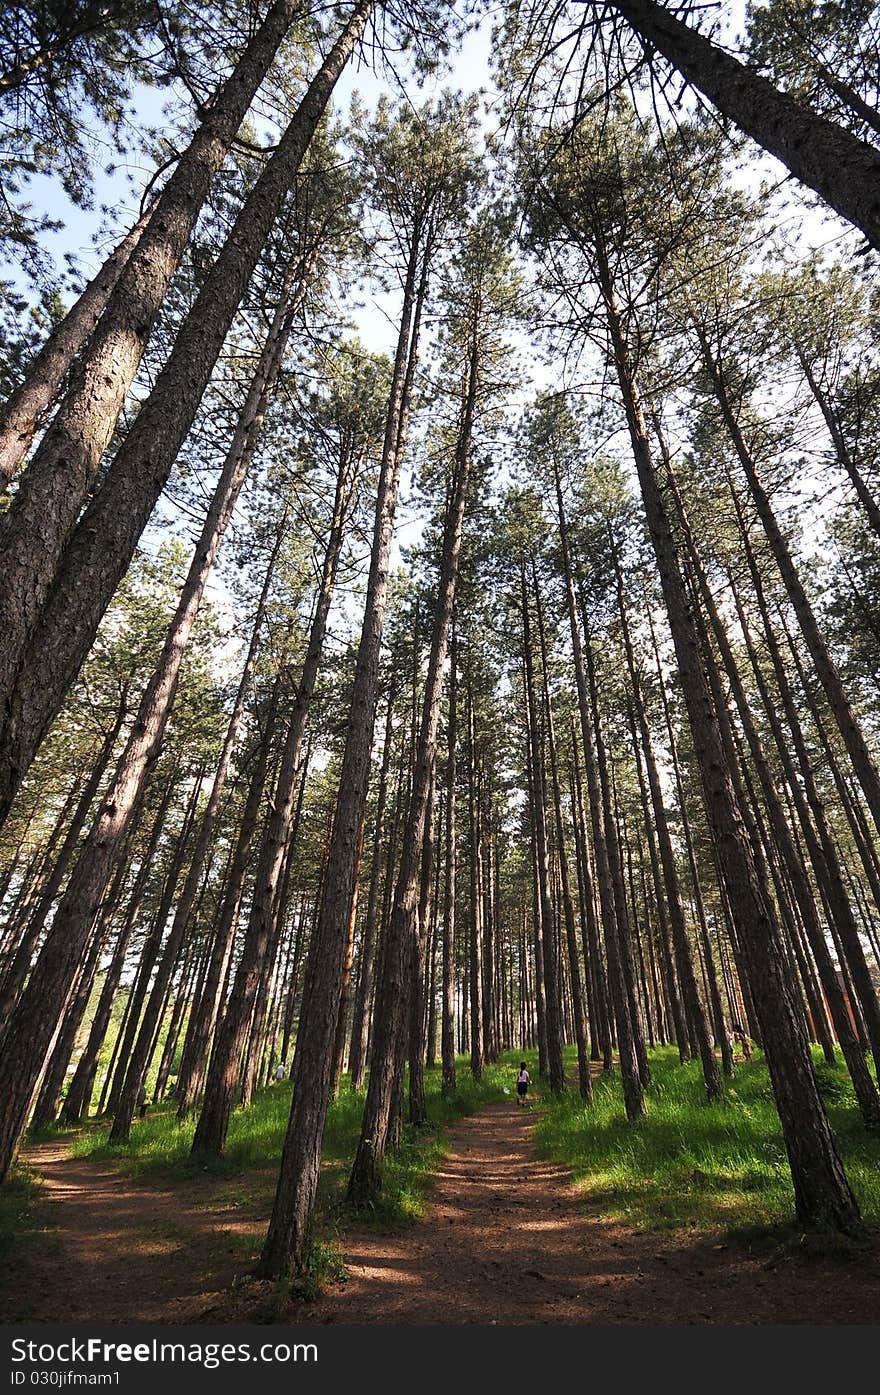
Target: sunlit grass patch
(689, 1163)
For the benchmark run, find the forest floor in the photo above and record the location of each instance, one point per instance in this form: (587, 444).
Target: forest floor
(507, 1239)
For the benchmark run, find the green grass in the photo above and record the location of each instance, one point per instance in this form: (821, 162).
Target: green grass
(696, 1165)
(160, 1145)
(686, 1164)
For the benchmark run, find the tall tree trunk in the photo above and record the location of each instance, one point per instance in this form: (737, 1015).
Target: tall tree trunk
(26, 406)
(585, 1083)
(20, 965)
(475, 938)
(862, 762)
(151, 952)
(823, 1197)
(288, 1239)
(363, 997)
(619, 944)
(687, 978)
(401, 943)
(597, 988)
(73, 919)
(630, 1068)
(56, 483)
(845, 457)
(824, 156)
(721, 1032)
(76, 1104)
(552, 1003)
(447, 1030)
(418, 1109)
(210, 1134)
(56, 642)
(195, 1056)
(823, 855)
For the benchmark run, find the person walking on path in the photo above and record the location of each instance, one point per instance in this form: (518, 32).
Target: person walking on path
(523, 1080)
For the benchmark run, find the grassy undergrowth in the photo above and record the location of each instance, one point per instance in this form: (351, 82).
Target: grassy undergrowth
(160, 1145)
(687, 1164)
(692, 1164)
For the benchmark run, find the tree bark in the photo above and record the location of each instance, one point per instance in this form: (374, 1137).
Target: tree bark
(394, 1005)
(25, 407)
(55, 486)
(100, 549)
(823, 1197)
(288, 1239)
(824, 156)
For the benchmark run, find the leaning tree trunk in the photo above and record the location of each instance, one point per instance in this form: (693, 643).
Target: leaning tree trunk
(823, 1197)
(821, 848)
(841, 168)
(100, 549)
(56, 483)
(193, 1066)
(25, 407)
(235, 469)
(845, 457)
(865, 1090)
(684, 958)
(79, 1094)
(21, 964)
(51, 980)
(229, 1043)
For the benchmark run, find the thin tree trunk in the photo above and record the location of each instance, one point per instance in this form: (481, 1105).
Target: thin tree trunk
(401, 943)
(447, 1030)
(862, 761)
(193, 1066)
(687, 978)
(288, 1239)
(20, 965)
(552, 1004)
(361, 1017)
(211, 1129)
(585, 1084)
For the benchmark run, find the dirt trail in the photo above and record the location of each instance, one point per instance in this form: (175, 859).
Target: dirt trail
(507, 1240)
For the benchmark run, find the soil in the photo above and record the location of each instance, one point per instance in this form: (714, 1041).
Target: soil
(508, 1239)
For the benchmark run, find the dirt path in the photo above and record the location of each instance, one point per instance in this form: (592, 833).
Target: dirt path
(507, 1240)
